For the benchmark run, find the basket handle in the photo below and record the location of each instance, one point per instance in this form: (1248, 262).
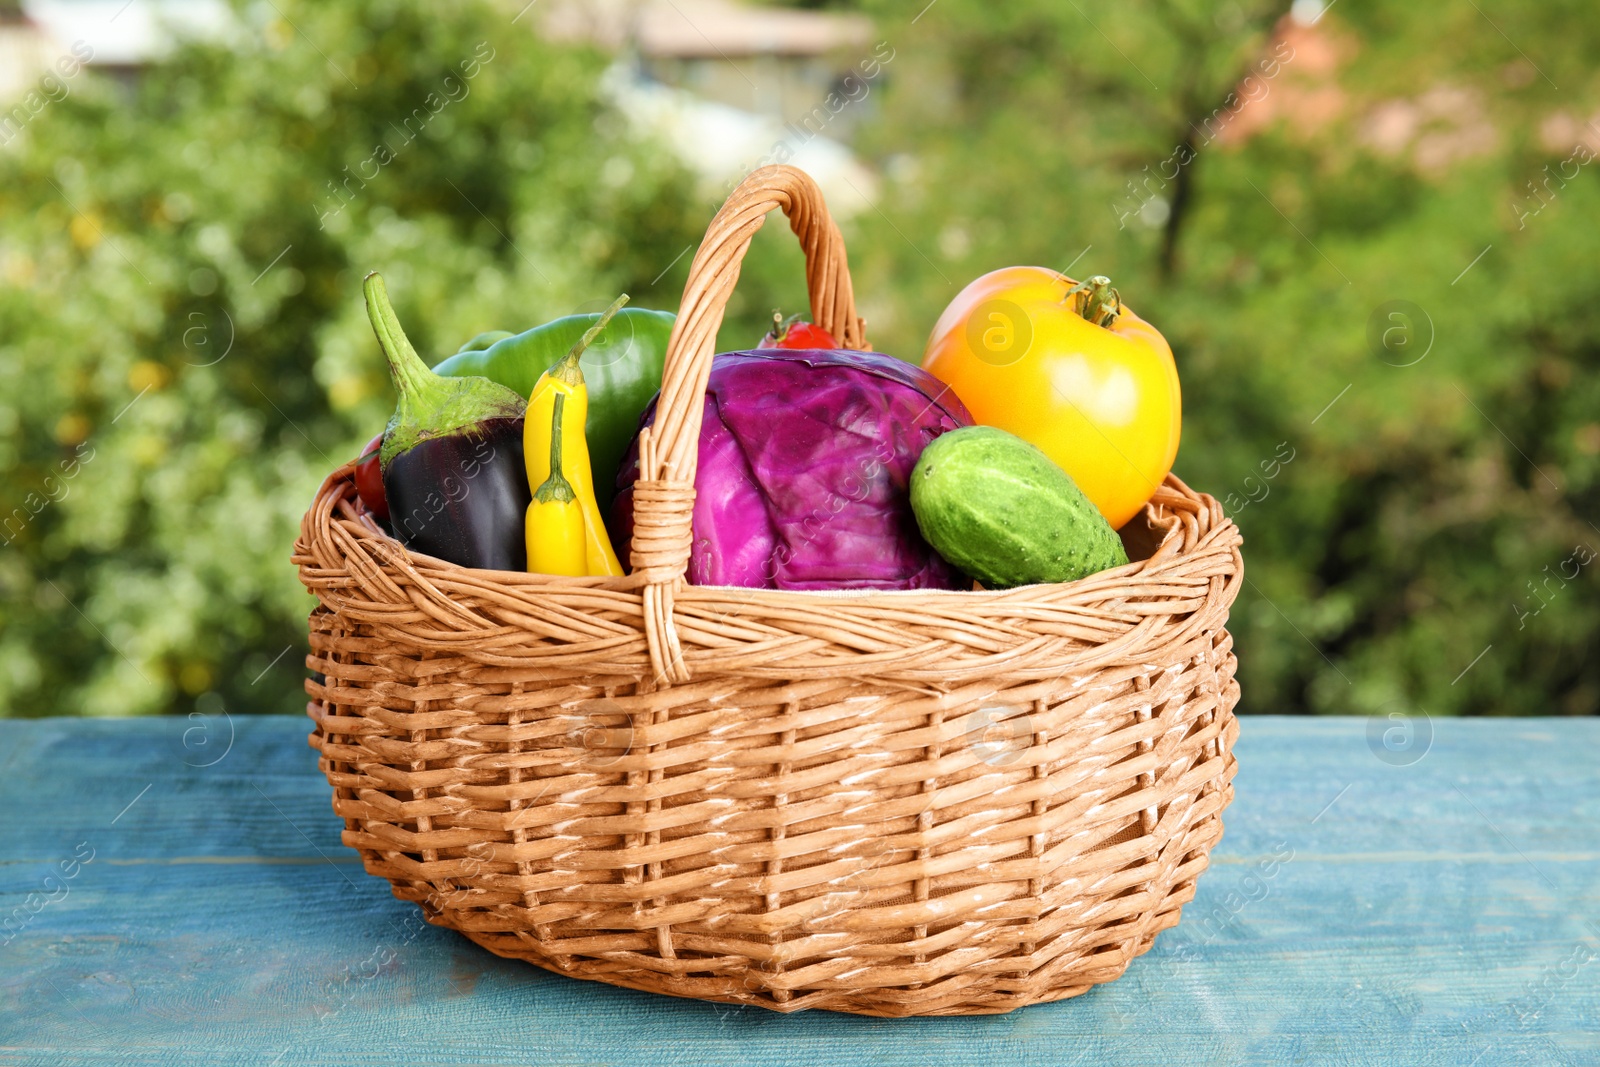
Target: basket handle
(663, 503)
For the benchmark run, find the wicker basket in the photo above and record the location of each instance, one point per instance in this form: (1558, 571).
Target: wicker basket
(903, 803)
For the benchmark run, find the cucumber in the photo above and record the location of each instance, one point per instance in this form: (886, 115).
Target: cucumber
(1002, 511)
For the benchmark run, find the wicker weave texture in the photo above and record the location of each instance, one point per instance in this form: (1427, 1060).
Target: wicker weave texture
(904, 803)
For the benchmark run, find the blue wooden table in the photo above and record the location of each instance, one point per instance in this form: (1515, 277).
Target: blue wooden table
(173, 891)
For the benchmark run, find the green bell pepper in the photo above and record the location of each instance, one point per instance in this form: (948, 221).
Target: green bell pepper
(622, 367)
(484, 340)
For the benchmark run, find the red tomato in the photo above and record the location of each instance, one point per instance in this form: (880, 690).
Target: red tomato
(796, 333)
(369, 480)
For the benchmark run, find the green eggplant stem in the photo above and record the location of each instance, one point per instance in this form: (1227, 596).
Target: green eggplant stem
(566, 368)
(411, 375)
(429, 405)
(556, 487)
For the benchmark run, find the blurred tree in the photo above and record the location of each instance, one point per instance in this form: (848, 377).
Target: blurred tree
(1374, 256)
(1442, 497)
(183, 347)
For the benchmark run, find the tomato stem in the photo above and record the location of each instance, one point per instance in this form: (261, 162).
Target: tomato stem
(1101, 303)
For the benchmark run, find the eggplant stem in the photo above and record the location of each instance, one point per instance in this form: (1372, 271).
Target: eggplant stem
(411, 375)
(567, 369)
(556, 487)
(428, 406)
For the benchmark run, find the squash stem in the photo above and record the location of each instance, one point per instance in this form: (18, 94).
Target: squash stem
(566, 368)
(556, 487)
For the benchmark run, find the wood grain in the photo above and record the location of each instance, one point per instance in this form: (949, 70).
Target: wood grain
(1438, 913)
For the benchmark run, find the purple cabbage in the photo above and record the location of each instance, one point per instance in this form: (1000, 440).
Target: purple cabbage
(805, 464)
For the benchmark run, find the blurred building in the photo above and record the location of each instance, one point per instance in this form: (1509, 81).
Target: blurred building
(731, 87)
(123, 34)
(727, 86)
(774, 62)
(25, 52)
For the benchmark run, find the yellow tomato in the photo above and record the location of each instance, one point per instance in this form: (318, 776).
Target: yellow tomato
(1070, 369)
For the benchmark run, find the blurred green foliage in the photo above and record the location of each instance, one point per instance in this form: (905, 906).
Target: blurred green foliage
(1434, 509)
(181, 320)
(184, 353)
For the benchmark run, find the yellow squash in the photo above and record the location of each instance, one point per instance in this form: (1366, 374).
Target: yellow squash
(555, 526)
(564, 383)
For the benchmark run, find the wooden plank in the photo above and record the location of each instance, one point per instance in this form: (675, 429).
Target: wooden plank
(1442, 912)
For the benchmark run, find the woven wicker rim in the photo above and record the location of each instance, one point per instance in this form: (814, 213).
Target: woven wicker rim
(1187, 563)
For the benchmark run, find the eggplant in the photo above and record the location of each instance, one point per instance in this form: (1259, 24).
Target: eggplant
(452, 465)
